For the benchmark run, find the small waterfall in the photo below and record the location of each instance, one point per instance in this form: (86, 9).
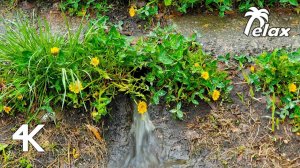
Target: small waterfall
(144, 150)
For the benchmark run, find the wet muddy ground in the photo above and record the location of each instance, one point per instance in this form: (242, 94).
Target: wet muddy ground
(173, 135)
(225, 35)
(224, 134)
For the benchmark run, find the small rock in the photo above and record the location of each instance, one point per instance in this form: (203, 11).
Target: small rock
(191, 134)
(48, 117)
(55, 6)
(141, 4)
(27, 5)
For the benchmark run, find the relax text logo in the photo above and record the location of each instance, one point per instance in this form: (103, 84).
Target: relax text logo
(262, 15)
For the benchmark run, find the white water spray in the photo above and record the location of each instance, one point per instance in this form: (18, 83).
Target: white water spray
(144, 151)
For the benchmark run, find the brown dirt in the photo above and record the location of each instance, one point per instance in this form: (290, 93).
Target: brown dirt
(69, 143)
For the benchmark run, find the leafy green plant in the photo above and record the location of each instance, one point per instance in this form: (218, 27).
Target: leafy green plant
(25, 163)
(177, 69)
(177, 111)
(3, 153)
(278, 74)
(40, 70)
(223, 5)
(81, 7)
(147, 12)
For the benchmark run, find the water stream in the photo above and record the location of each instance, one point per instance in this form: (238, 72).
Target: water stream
(144, 149)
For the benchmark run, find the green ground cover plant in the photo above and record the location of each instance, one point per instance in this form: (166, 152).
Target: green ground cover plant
(223, 6)
(151, 7)
(83, 7)
(277, 75)
(41, 71)
(226, 5)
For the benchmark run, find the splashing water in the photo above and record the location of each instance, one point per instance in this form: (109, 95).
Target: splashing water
(144, 151)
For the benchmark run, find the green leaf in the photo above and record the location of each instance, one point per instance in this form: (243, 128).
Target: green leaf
(150, 77)
(157, 96)
(163, 58)
(103, 73)
(195, 102)
(3, 146)
(293, 2)
(178, 106)
(57, 86)
(61, 60)
(168, 2)
(180, 114)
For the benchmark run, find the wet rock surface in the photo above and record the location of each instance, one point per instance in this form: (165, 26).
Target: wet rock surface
(225, 35)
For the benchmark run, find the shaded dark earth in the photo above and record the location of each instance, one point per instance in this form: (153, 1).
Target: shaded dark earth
(223, 134)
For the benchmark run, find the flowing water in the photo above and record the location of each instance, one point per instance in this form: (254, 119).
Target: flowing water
(155, 139)
(145, 150)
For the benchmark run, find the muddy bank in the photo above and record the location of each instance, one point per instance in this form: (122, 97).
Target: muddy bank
(225, 35)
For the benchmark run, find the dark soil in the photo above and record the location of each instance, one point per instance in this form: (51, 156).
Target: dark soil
(61, 142)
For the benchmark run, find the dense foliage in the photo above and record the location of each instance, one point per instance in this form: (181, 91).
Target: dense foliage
(81, 7)
(150, 7)
(40, 71)
(277, 74)
(226, 5)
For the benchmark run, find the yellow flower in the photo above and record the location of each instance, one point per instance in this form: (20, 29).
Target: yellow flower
(76, 87)
(75, 153)
(82, 12)
(283, 57)
(54, 50)
(292, 87)
(95, 61)
(94, 114)
(196, 65)
(20, 97)
(7, 109)
(132, 11)
(205, 75)
(215, 95)
(252, 68)
(142, 107)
